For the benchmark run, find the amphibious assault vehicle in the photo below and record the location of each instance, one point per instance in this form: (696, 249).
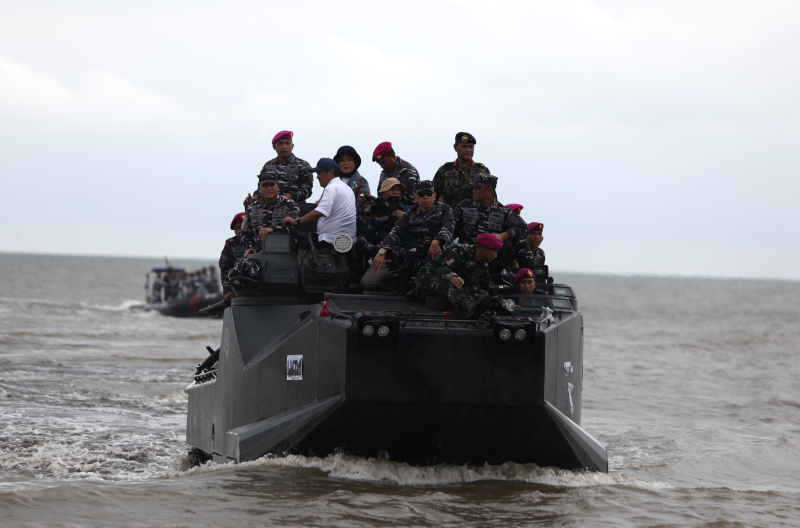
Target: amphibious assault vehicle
(313, 373)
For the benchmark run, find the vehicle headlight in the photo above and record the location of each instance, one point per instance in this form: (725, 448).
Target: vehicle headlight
(505, 334)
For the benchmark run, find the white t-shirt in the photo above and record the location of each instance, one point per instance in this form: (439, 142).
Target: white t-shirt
(338, 207)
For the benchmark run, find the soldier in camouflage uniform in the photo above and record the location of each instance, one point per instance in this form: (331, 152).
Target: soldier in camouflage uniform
(484, 214)
(429, 222)
(234, 250)
(394, 167)
(265, 214)
(295, 179)
(534, 239)
(461, 274)
(453, 181)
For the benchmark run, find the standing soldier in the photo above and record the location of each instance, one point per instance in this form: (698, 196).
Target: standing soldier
(484, 214)
(394, 167)
(461, 274)
(534, 239)
(265, 214)
(234, 250)
(293, 173)
(429, 222)
(453, 181)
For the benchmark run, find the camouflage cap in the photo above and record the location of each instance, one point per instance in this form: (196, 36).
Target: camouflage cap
(268, 177)
(424, 185)
(483, 179)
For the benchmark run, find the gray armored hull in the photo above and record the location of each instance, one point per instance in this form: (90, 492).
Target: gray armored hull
(381, 376)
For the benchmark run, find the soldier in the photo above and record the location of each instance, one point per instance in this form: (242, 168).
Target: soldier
(429, 222)
(524, 281)
(484, 214)
(453, 181)
(293, 173)
(394, 167)
(461, 274)
(159, 285)
(265, 214)
(379, 217)
(534, 239)
(234, 250)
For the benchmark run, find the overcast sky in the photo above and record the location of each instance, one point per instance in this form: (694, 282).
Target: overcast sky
(648, 137)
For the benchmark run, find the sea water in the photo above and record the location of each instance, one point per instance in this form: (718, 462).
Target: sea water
(690, 383)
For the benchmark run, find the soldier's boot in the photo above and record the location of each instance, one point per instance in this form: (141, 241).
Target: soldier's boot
(473, 309)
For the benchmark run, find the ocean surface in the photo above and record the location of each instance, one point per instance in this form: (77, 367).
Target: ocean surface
(690, 383)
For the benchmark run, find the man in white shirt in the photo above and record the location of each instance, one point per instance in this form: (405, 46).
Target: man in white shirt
(336, 210)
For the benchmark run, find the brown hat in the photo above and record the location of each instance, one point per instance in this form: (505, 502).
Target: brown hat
(388, 183)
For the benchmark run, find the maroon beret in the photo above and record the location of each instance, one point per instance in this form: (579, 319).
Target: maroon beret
(238, 219)
(535, 226)
(515, 207)
(283, 134)
(489, 241)
(524, 273)
(381, 150)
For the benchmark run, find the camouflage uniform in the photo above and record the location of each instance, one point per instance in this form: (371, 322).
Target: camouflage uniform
(472, 219)
(454, 184)
(437, 224)
(234, 250)
(262, 214)
(538, 257)
(408, 176)
(294, 177)
(459, 260)
(377, 227)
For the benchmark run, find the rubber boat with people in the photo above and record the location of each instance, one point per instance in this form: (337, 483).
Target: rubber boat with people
(302, 371)
(182, 304)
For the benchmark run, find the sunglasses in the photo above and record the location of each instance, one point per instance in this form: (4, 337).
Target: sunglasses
(422, 194)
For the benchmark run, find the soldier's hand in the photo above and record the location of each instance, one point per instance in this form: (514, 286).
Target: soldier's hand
(289, 196)
(435, 248)
(377, 262)
(249, 251)
(398, 213)
(457, 282)
(290, 220)
(229, 296)
(247, 200)
(263, 232)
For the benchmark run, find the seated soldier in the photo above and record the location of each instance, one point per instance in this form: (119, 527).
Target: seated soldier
(232, 251)
(461, 275)
(484, 214)
(266, 213)
(535, 238)
(525, 282)
(430, 223)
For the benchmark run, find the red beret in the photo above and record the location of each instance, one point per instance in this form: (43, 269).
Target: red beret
(515, 207)
(283, 134)
(489, 241)
(535, 226)
(381, 150)
(239, 218)
(523, 273)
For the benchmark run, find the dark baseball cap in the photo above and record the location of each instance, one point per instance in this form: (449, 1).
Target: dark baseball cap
(325, 164)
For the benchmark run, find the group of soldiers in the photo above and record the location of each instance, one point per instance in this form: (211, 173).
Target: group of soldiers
(173, 283)
(411, 224)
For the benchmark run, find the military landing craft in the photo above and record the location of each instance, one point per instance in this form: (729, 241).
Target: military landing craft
(312, 373)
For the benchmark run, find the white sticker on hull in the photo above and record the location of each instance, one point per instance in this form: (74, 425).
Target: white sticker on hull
(570, 386)
(294, 368)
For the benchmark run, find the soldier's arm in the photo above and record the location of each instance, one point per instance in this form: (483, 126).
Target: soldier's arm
(438, 182)
(305, 182)
(396, 234)
(445, 234)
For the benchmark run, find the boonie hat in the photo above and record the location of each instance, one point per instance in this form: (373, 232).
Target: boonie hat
(388, 183)
(347, 149)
